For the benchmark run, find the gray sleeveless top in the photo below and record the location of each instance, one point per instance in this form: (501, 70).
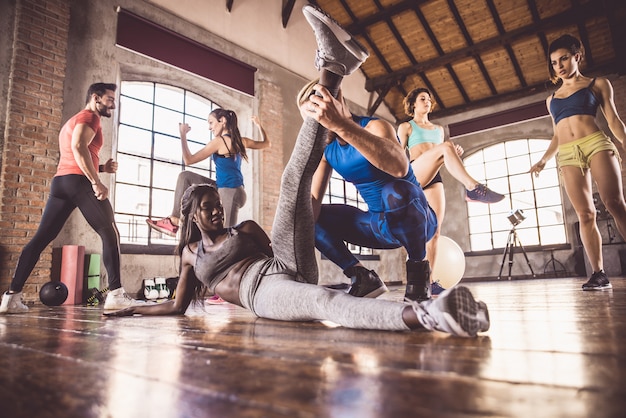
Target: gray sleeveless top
(213, 266)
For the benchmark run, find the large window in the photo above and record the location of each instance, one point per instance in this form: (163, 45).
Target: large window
(150, 157)
(342, 192)
(504, 167)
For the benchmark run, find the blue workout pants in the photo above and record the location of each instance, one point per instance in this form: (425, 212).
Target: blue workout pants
(407, 221)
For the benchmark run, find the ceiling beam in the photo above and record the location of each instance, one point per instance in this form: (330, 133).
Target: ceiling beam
(517, 94)
(287, 9)
(587, 11)
(359, 27)
(509, 50)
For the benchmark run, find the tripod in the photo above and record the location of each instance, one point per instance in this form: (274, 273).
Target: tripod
(554, 262)
(511, 241)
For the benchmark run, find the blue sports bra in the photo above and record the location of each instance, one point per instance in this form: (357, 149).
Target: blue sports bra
(422, 136)
(581, 102)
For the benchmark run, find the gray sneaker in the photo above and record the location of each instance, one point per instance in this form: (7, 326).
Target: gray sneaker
(337, 51)
(455, 311)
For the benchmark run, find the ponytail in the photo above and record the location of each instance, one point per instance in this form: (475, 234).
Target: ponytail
(232, 126)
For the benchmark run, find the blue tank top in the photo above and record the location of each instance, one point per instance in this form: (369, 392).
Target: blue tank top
(355, 169)
(420, 135)
(582, 102)
(228, 171)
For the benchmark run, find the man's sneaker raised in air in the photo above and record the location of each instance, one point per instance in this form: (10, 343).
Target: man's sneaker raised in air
(598, 281)
(484, 194)
(365, 283)
(436, 289)
(119, 299)
(164, 226)
(337, 51)
(455, 311)
(12, 303)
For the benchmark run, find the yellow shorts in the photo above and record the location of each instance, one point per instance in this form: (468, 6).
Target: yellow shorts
(578, 153)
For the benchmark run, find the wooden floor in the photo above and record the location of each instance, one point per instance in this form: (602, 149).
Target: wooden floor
(552, 351)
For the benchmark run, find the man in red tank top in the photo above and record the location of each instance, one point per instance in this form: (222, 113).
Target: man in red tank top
(77, 184)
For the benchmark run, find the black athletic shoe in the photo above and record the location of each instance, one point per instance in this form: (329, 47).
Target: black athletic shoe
(455, 311)
(365, 283)
(598, 281)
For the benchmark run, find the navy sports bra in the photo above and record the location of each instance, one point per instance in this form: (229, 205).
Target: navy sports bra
(581, 102)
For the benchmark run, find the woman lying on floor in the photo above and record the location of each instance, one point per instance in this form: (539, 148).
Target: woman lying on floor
(278, 280)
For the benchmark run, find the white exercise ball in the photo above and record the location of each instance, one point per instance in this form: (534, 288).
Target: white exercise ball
(450, 263)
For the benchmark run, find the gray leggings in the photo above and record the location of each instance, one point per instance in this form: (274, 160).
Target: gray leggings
(285, 286)
(233, 199)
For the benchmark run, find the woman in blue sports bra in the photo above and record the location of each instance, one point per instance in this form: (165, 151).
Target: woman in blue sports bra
(582, 150)
(428, 152)
(227, 148)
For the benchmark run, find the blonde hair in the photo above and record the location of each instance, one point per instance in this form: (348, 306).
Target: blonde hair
(306, 91)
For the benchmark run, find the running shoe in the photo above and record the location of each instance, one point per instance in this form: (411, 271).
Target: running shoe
(436, 289)
(12, 303)
(164, 226)
(455, 311)
(366, 283)
(215, 300)
(598, 281)
(337, 51)
(118, 299)
(483, 194)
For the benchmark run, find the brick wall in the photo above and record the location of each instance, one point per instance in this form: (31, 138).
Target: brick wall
(271, 163)
(30, 151)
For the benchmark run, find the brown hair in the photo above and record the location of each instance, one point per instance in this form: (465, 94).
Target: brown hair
(409, 100)
(233, 128)
(571, 44)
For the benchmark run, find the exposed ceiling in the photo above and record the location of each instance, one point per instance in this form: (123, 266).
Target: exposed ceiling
(472, 53)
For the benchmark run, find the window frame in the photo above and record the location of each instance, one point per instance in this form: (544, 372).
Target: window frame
(495, 223)
(151, 243)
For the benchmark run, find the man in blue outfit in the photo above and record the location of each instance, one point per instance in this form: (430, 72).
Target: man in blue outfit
(366, 152)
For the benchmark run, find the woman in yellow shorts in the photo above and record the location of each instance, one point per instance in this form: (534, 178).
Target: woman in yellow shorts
(583, 149)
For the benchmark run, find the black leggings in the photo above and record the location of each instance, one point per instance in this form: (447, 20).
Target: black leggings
(67, 193)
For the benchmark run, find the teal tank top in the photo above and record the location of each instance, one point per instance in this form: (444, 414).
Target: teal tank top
(422, 136)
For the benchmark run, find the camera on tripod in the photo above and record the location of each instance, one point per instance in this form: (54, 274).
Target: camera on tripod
(516, 217)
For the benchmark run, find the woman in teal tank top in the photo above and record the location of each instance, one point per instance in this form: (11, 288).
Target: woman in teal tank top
(428, 152)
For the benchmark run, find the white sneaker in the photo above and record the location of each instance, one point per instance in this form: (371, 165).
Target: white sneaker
(455, 311)
(161, 286)
(119, 299)
(12, 303)
(150, 291)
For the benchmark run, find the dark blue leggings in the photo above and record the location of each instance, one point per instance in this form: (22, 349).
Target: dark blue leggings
(407, 221)
(66, 194)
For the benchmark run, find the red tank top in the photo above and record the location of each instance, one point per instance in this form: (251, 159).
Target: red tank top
(67, 162)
